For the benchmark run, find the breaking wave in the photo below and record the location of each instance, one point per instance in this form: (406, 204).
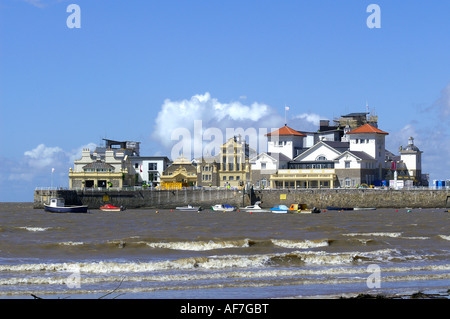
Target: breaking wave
(34, 229)
(294, 258)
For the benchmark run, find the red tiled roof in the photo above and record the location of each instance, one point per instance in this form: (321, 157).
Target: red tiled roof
(285, 130)
(367, 128)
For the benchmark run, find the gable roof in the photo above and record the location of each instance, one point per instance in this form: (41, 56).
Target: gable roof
(357, 154)
(275, 157)
(319, 144)
(367, 128)
(337, 145)
(285, 130)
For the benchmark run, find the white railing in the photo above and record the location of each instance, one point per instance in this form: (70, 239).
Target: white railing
(141, 188)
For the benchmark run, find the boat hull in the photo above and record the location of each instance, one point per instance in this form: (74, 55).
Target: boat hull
(279, 209)
(188, 209)
(65, 209)
(222, 208)
(339, 208)
(256, 210)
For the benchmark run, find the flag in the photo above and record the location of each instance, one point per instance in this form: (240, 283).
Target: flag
(140, 168)
(394, 165)
(53, 170)
(286, 108)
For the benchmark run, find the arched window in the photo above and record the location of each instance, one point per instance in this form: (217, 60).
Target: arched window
(321, 158)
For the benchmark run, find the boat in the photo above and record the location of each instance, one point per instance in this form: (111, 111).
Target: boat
(189, 208)
(339, 208)
(111, 208)
(302, 209)
(254, 208)
(279, 209)
(364, 208)
(57, 205)
(223, 208)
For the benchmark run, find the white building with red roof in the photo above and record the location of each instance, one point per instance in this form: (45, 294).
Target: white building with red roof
(358, 158)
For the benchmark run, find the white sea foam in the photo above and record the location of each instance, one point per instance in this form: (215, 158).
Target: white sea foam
(71, 243)
(303, 244)
(331, 272)
(35, 229)
(380, 234)
(200, 245)
(445, 237)
(209, 262)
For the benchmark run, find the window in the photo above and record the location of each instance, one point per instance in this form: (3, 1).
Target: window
(347, 164)
(238, 178)
(347, 182)
(321, 158)
(136, 165)
(231, 178)
(224, 178)
(263, 165)
(152, 166)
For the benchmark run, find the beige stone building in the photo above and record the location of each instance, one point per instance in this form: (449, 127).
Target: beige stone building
(101, 170)
(181, 173)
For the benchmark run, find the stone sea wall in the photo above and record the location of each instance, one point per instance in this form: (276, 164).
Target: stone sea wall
(206, 197)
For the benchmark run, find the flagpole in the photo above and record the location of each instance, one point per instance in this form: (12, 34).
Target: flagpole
(52, 178)
(286, 108)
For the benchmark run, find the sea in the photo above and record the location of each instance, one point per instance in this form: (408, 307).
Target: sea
(171, 254)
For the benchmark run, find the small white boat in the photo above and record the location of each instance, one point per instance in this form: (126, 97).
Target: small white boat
(279, 209)
(254, 208)
(189, 208)
(223, 208)
(57, 205)
(364, 208)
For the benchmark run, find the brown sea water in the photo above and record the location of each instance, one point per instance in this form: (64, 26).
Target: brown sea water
(150, 253)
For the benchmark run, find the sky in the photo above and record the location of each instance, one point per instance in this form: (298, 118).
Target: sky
(147, 70)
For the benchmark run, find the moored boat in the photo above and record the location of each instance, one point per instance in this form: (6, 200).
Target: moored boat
(223, 208)
(189, 208)
(339, 208)
(302, 209)
(364, 208)
(279, 209)
(111, 208)
(57, 205)
(254, 208)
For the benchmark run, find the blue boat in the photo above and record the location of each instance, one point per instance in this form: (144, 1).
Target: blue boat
(57, 205)
(279, 209)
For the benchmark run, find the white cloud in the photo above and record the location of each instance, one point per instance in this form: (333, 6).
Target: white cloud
(42, 156)
(429, 136)
(180, 116)
(40, 161)
(307, 121)
(443, 103)
(35, 3)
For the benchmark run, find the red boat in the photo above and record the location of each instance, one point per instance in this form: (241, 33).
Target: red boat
(111, 208)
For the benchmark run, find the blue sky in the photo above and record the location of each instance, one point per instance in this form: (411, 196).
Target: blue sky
(137, 69)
